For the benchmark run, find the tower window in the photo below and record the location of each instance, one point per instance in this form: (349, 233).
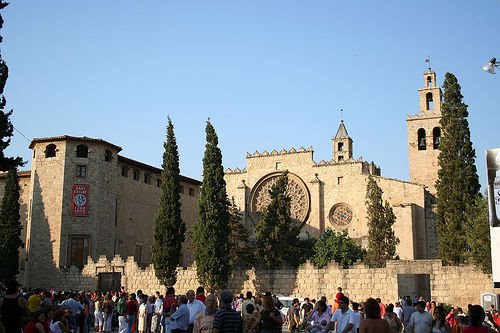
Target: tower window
(50, 151)
(278, 165)
(147, 178)
(421, 139)
(429, 101)
(81, 170)
(82, 151)
(181, 189)
(136, 174)
(191, 192)
(124, 171)
(436, 137)
(429, 82)
(158, 182)
(341, 158)
(108, 155)
(78, 250)
(340, 146)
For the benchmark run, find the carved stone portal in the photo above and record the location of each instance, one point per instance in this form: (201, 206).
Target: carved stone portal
(340, 215)
(297, 190)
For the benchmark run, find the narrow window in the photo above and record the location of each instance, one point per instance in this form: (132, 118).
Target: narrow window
(147, 178)
(124, 171)
(108, 155)
(436, 137)
(421, 139)
(429, 82)
(340, 180)
(278, 165)
(158, 182)
(341, 158)
(50, 151)
(182, 189)
(82, 151)
(191, 192)
(340, 146)
(136, 174)
(78, 250)
(429, 101)
(138, 254)
(81, 170)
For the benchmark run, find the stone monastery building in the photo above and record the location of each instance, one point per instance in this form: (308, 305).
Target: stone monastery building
(81, 198)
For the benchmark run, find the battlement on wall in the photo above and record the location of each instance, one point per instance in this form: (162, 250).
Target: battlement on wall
(235, 171)
(283, 151)
(333, 162)
(427, 114)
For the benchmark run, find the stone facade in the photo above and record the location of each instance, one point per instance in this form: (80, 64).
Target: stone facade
(444, 284)
(122, 201)
(424, 134)
(332, 194)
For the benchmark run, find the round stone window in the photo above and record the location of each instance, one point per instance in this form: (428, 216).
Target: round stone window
(297, 190)
(340, 215)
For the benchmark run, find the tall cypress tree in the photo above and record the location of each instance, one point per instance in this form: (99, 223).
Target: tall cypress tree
(168, 229)
(10, 226)
(242, 248)
(381, 239)
(6, 128)
(478, 237)
(276, 233)
(211, 232)
(458, 184)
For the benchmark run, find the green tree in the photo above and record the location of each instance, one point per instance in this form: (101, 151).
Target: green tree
(211, 232)
(6, 128)
(478, 236)
(277, 235)
(10, 224)
(242, 248)
(336, 246)
(381, 239)
(168, 229)
(458, 184)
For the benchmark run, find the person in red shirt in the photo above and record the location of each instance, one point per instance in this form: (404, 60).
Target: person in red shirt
(169, 307)
(477, 315)
(35, 325)
(131, 309)
(200, 294)
(382, 307)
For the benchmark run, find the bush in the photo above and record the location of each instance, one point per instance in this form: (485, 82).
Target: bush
(336, 246)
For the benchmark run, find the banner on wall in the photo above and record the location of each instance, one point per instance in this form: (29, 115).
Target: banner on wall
(80, 200)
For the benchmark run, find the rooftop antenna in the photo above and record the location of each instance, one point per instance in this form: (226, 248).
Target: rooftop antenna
(428, 62)
(342, 115)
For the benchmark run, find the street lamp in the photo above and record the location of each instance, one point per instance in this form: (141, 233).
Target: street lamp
(490, 66)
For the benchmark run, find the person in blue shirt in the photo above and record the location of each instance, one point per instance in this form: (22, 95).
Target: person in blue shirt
(180, 318)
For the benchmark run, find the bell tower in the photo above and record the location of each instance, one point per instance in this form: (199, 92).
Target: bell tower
(424, 134)
(342, 144)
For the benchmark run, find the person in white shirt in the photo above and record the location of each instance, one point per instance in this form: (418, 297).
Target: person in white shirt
(343, 317)
(398, 310)
(420, 321)
(356, 316)
(195, 306)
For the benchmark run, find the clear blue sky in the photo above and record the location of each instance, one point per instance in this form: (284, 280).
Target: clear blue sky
(269, 74)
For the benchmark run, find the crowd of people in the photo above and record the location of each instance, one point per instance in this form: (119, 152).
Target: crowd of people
(46, 311)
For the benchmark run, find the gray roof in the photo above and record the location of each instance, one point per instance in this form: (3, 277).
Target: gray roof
(342, 131)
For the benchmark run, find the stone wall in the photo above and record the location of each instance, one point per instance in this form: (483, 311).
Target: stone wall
(447, 284)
